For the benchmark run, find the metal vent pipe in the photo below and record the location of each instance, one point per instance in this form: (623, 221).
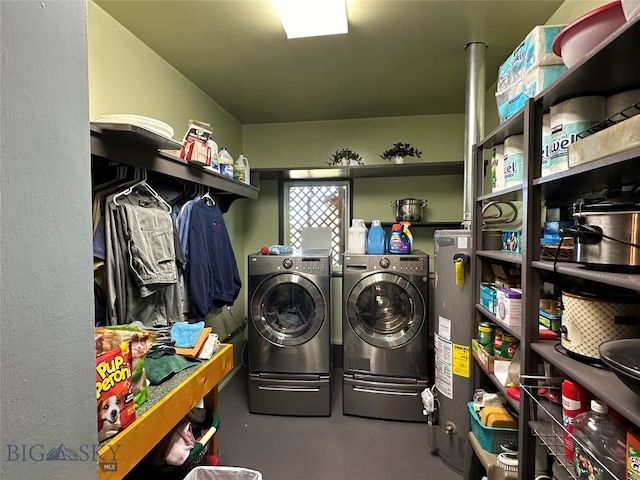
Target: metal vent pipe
(474, 121)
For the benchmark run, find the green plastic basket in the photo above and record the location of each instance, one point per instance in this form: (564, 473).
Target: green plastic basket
(490, 438)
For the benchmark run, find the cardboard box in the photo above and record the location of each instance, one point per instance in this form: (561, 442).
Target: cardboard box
(509, 306)
(633, 455)
(488, 297)
(486, 360)
(506, 276)
(512, 241)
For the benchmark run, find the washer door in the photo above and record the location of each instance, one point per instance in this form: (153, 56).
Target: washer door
(288, 309)
(385, 310)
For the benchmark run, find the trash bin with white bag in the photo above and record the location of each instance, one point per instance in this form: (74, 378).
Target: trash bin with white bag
(223, 473)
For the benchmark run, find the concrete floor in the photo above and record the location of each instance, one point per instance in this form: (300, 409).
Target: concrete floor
(338, 447)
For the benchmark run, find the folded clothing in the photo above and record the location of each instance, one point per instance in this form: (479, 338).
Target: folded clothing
(186, 334)
(162, 365)
(193, 352)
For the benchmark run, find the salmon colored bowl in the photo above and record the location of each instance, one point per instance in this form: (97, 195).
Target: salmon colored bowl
(582, 35)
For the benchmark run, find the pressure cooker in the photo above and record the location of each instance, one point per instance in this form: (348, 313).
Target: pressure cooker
(606, 232)
(409, 209)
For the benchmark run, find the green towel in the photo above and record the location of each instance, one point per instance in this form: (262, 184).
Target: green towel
(162, 367)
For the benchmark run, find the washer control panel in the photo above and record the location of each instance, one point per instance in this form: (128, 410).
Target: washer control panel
(413, 264)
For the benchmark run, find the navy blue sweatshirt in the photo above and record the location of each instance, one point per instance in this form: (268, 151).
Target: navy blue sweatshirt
(213, 275)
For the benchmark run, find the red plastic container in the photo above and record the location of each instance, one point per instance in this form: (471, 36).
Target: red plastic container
(575, 400)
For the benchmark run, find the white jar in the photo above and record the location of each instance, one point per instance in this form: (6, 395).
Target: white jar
(357, 243)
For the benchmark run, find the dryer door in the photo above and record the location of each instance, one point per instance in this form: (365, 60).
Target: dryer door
(288, 309)
(385, 310)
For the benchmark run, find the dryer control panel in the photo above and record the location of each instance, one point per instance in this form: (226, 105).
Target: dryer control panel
(310, 264)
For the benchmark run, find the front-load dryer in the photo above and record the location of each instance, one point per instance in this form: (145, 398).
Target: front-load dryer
(385, 333)
(290, 333)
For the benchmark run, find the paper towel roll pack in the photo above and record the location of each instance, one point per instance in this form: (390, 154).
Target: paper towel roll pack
(513, 160)
(567, 120)
(497, 167)
(530, 68)
(546, 142)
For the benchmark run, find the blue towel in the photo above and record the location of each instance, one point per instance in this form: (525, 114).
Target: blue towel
(186, 334)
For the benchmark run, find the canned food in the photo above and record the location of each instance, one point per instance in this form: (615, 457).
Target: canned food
(497, 341)
(485, 336)
(509, 346)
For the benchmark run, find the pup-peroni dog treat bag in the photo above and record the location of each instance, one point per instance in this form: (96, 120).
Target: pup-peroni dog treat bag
(113, 391)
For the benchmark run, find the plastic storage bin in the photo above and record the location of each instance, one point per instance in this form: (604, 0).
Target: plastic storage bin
(223, 473)
(490, 438)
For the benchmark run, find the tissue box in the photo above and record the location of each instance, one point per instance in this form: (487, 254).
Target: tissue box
(509, 305)
(488, 297)
(512, 241)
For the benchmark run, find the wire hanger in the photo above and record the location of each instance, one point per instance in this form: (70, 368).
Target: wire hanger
(121, 174)
(144, 186)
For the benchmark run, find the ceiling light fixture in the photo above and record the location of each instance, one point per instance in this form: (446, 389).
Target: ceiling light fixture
(312, 18)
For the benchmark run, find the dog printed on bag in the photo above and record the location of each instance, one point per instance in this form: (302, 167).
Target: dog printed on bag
(113, 391)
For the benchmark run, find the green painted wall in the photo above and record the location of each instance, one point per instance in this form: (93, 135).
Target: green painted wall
(126, 76)
(439, 137)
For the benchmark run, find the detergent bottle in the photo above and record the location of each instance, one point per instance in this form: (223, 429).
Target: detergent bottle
(405, 229)
(398, 240)
(376, 239)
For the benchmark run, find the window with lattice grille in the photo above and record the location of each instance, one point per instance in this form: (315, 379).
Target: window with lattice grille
(317, 204)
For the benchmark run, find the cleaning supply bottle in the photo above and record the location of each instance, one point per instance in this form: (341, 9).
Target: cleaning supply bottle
(575, 400)
(376, 239)
(241, 169)
(213, 147)
(225, 162)
(357, 237)
(599, 449)
(405, 229)
(398, 240)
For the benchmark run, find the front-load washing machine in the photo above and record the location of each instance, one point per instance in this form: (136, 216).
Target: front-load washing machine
(385, 334)
(290, 333)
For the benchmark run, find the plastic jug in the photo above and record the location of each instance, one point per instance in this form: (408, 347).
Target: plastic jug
(357, 237)
(398, 240)
(376, 239)
(214, 156)
(241, 169)
(600, 444)
(225, 162)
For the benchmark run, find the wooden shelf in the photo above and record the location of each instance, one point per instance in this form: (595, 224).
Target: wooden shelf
(622, 280)
(489, 462)
(514, 403)
(516, 331)
(513, 126)
(163, 411)
(601, 382)
(139, 148)
(506, 257)
(361, 171)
